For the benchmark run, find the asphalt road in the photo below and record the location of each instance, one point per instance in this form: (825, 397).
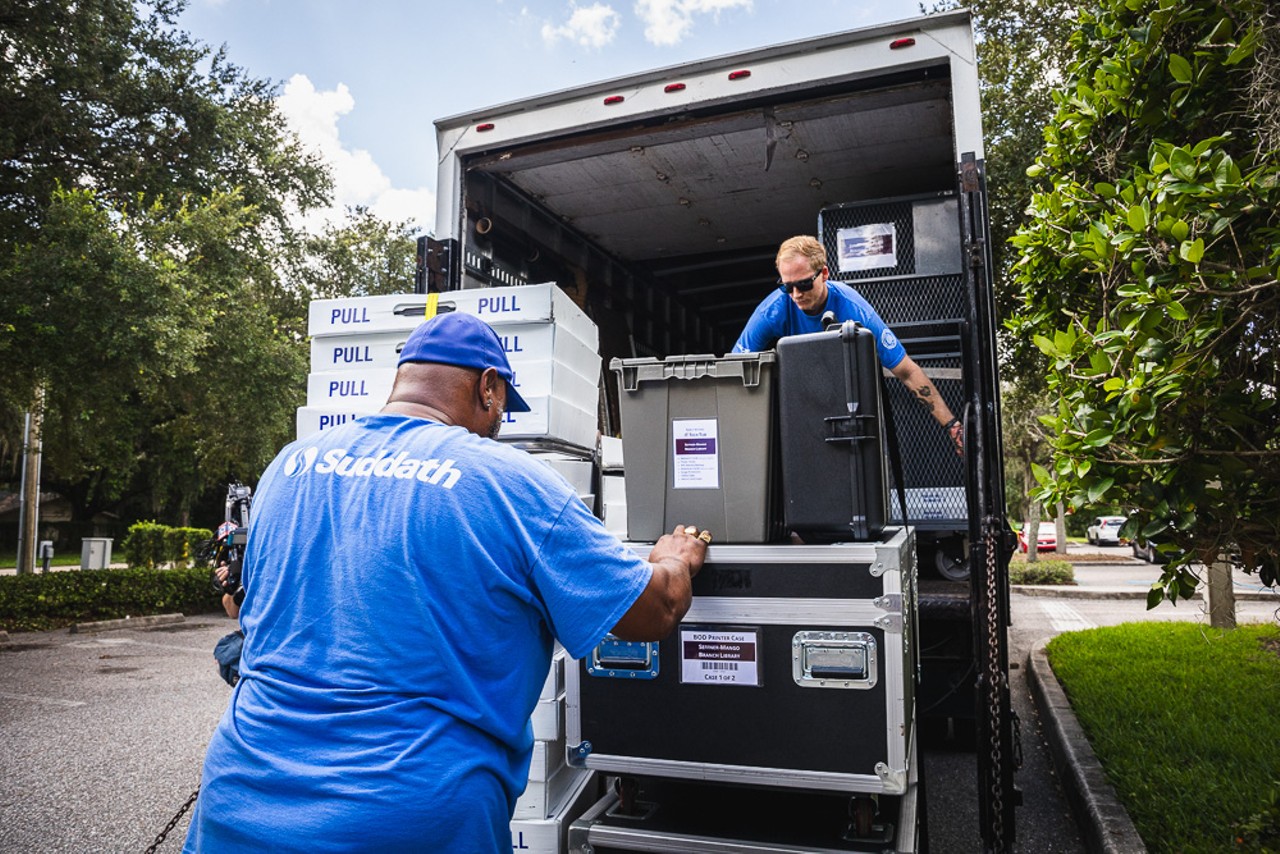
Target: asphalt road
(104, 733)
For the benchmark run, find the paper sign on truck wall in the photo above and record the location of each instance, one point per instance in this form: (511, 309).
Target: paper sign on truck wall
(867, 247)
(695, 444)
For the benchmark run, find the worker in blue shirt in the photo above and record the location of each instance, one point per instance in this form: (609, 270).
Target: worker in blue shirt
(405, 578)
(805, 293)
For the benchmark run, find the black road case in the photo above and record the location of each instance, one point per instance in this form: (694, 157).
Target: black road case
(683, 816)
(835, 484)
(794, 667)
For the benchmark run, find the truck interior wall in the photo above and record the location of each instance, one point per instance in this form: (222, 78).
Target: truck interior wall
(665, 231)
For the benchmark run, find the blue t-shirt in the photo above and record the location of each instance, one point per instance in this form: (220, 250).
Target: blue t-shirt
(405, 580)
(777, 316)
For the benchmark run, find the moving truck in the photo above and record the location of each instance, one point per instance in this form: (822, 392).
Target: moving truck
(657, 201)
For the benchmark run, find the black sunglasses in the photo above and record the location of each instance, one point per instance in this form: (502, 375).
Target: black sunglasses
(803, 286)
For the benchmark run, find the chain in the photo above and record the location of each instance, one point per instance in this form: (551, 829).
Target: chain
(995, 683)
(173, 822)
(1017, 740)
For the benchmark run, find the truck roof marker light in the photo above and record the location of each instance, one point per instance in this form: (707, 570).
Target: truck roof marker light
(901, 43)
(673, 87)
(613, 99)
(484, 127)
(739, 75)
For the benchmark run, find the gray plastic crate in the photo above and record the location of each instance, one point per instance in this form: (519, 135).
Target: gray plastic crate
(699, 439)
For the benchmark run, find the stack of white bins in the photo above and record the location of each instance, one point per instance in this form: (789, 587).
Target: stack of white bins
(557, 792)
(551, 343)
(613, 487)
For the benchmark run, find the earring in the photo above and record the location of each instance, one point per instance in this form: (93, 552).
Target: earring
(488, 402)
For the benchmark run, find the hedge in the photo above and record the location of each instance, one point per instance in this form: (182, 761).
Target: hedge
(1043, 571)
(55, 599)
(150, 544)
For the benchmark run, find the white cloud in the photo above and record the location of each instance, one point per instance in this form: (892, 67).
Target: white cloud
(357, 179)
(667, 22)
(590, 26)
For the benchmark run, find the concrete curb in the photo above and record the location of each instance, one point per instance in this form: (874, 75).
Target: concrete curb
(127, 623)
(1071, 591)
(1102, 818)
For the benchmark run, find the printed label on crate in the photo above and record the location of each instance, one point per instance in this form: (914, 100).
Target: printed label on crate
(697, 454)
(867, 247)
(719, 656)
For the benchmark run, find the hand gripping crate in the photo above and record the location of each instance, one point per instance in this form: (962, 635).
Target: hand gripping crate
(794, 667)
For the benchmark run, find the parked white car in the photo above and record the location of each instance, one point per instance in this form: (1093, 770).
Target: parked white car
(1105, 531)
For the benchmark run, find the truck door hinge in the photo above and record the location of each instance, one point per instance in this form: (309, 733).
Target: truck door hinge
(977, 253)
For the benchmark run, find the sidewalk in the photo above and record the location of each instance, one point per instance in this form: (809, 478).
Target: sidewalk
(1103, 572)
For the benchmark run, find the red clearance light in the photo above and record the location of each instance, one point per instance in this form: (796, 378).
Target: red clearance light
(897, 43)
(739, 75)
(673, 87)
(484, 127)
(613, 99)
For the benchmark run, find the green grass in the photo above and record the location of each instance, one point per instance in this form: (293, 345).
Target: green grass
(1186, 721)
(8, 560)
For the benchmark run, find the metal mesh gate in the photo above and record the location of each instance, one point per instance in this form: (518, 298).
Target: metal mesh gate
(904, 256)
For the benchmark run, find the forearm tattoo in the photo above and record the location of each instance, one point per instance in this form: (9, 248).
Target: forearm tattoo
(924, 394)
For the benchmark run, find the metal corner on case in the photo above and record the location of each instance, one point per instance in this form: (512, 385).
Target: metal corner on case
(577, 755)
(894, 780)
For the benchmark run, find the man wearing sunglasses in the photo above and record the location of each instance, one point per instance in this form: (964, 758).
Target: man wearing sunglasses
(805, 294)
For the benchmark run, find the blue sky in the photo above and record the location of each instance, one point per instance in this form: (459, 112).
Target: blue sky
(362, 80)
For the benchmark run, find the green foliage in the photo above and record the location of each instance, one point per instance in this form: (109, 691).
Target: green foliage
(1177, 714)
(149, 545)
(1261, 831)
(55, 599)
(146, 310)
(1044, 571)
(363, 256)
(1149, 268)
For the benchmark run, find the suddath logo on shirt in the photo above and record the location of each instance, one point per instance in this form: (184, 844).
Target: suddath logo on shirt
(400, 466)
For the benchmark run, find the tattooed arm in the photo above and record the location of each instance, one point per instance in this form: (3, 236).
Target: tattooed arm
(923, 390)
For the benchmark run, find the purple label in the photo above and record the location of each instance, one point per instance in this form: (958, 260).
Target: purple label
(695, 446)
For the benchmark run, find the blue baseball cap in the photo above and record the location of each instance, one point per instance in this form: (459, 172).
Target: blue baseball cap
(466, 341)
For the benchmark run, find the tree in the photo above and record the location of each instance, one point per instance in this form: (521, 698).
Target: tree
(108, 94)
(1149, 271)
(1021, 48)
(1026, 445)
(147, 189)
(181, 366)
(1021, 52)
(363, 256)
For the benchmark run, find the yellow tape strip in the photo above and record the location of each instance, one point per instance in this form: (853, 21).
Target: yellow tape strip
(433, 300)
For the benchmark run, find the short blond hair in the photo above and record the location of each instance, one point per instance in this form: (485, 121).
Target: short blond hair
(806, 247)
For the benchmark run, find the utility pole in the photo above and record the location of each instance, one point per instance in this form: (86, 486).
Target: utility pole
(29, 512)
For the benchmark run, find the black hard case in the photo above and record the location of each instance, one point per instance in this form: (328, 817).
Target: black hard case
(786, 731)
(835, 483)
